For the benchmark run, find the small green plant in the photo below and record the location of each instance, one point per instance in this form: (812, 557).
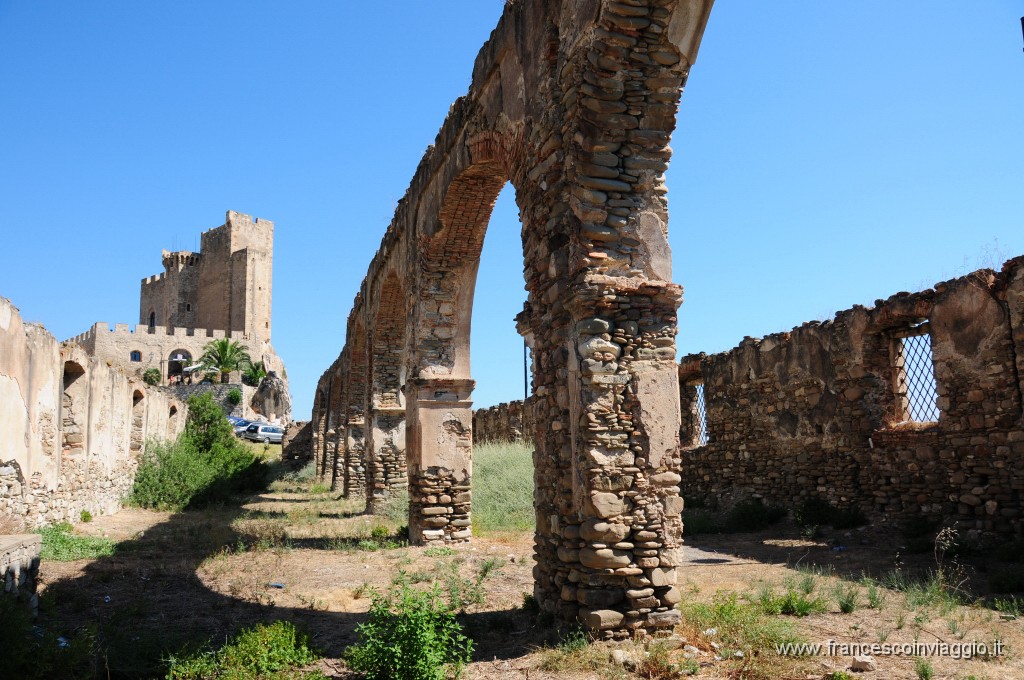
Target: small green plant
(876, 600)
(409, 635)
(923, 669)
(320, 488)
(574, 640)
(234, 396)
(740, 626)
(439, 551)
(151, 376)
(840, 675)
(262, 651)
(60, 545)
(1009, 605)
(85, 516)
(846, 598)
(530, 604)
(791, 602)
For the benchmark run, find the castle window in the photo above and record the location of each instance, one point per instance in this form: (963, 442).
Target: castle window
(152, 320)
(695, 415)
(136, 355)
(188, 307)
(914, 376)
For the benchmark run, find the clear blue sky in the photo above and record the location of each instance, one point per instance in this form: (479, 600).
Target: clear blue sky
(827, 154)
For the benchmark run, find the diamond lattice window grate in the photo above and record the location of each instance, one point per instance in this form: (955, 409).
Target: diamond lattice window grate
(702, 418)
(917, 378)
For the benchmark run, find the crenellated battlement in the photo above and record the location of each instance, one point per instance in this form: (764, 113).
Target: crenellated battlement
(102, 327)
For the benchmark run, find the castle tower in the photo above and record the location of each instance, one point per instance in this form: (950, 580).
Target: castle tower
(225, 286)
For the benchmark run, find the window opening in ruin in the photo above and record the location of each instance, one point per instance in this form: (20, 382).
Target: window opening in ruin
(152, 320)
(701, 416)
(916, 391)
(136, 355)
(188, 307)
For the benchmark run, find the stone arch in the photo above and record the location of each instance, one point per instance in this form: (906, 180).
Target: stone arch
(356, 370)
(137, 433)
(386, 445)
(333, 424)
(177, 360)
(574, 103)
(319, 426)
(172, 422)
(74, 410)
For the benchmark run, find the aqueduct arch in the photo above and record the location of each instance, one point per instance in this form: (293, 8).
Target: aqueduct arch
(573, 102)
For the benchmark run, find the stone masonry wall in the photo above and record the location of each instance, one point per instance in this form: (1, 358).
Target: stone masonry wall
(73, 426)
(821, 411)
(19, 567)
(511, 421)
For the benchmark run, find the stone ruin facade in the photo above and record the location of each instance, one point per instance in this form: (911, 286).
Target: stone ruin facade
(831, 409)
(73, 426)
(573, 102)
(223, 291)
(511, 421)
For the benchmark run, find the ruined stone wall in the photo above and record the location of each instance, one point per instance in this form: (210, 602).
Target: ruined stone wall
(511, 421)
(73, 426)
(19, 567)
(821, 411)
(297, 445)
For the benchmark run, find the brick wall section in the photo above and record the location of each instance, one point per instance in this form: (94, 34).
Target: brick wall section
(297, 445)
(19, 567)
(815, 411)
(511, 421)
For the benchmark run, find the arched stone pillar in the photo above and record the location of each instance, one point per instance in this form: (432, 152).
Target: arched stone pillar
(355, 413)
(385, 429)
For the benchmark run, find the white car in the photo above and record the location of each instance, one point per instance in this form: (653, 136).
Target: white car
(264, 432)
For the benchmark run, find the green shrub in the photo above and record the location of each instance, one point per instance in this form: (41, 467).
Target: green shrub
(923, 669)
(791, 602)
(207, 463)
(234, 396)
(151, 376)
(740, 626)
(60, 545)
(263, 651)
(409, 635)
(85, 516)
(503, 487)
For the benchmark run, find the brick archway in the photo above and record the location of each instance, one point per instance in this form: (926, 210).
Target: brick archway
(573, 102)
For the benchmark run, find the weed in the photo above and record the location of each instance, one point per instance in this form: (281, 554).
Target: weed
(700, 522)
(85, 516)
(740, 626)
(876, 600)
(462, 592)
(260, 651)
(34, 653)
(530, 604)
(657, 664)
(846, 598)
(60, 545)
(807, 584)
(923, 669)
(883, 635)
(1009, 605)
(439, 551)
(901, 620)
(840, 675)
(409, 635)
(320, 488)
(491, 565)
(791, 602)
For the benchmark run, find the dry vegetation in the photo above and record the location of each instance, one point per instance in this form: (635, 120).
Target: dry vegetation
(299, 553)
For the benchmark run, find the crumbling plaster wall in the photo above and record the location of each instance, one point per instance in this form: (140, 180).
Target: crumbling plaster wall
(816, 412)
(47, 475)
(573, 102)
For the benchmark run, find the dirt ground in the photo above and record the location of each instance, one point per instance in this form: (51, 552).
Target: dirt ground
(180, 579)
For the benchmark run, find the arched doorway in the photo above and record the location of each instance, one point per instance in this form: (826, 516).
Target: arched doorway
(135, 440)
(176, 363)
(172, 423)
(74, 402)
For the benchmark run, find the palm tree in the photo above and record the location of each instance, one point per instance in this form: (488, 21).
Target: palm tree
(254, 373)
(225, 355)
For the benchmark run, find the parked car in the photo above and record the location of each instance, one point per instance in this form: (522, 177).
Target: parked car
(262, 432)
(241, 425)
